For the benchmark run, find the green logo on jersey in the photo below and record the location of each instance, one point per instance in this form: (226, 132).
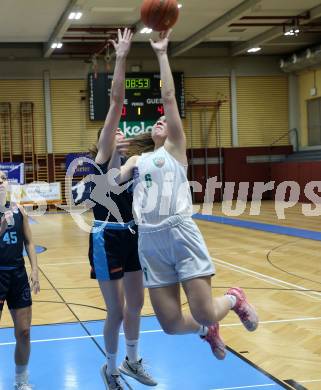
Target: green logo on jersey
(159, 162)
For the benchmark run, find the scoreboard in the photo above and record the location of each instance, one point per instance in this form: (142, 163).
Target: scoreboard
(142, 96)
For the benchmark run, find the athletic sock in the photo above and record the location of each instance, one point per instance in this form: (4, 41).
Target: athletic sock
(132, 350)
(111, 363)
(232, 299)
(203, 330)
(22, 374)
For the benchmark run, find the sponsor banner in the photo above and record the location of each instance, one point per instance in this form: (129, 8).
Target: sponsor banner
(131, 129)
(36, 192)
(83, 168)
(14, 171)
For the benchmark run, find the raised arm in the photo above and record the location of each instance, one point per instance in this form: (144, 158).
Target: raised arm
(126, 170)
(3, 225)
(176, 137)
(117, 96)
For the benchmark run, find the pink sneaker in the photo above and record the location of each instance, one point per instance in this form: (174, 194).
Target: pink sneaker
(214, 340)
(244, 310)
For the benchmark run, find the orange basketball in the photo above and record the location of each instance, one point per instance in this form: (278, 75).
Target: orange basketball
(159, 15)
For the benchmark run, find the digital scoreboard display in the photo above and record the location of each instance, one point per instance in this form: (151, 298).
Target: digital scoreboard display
(142, 96)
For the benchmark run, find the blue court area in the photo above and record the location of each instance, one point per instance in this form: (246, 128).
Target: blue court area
(66, 357)
(39, 249)
(264, 227)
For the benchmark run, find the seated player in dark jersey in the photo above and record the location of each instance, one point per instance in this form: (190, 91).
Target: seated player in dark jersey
(14, 284)
(113, 249)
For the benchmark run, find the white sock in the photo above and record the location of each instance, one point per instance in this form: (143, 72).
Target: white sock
(22, 374)
(203, 330)
(111, 363)
(232, 299)
(132, 350)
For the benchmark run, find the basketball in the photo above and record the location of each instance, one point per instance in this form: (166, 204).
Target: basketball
(159, 15)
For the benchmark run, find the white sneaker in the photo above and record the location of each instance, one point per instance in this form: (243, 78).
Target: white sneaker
(112, 382)
(23, 386)
(137, 370)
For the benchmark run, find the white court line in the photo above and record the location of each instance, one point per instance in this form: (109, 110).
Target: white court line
(246, 387)
(161, 331)
(256, 386)
(274, 321)
(267, 278)
(78, 337)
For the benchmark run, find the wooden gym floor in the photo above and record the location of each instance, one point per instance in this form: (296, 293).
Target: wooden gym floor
(280, 273)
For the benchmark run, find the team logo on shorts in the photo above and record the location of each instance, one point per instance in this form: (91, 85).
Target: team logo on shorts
(159, 162)
(26, 295)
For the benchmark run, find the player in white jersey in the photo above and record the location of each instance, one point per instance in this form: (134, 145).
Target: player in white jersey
(171, 248)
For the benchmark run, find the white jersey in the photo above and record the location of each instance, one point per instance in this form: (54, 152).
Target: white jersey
(161, 188)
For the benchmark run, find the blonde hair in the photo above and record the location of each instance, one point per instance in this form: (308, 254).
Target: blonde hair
(142, 143)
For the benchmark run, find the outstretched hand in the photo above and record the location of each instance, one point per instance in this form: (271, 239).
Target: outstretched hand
(122, 45)
(161, 45)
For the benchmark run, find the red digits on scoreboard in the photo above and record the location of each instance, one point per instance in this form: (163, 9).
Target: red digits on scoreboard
(123, 111)
(160, 109)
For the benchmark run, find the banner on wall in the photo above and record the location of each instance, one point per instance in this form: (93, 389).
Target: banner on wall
(14, 171)
(131, 129)
(37, 192)
(83, 168)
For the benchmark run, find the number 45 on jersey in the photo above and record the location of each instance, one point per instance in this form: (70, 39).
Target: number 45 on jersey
(10, 238)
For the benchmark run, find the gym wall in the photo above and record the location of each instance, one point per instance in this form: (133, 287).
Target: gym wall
(308, 80)
(262, 112)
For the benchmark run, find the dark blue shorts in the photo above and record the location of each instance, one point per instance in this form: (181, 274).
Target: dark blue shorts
(15, 288)
(113, 250)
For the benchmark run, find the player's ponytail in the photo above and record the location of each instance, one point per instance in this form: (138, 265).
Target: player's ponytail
(142, 143)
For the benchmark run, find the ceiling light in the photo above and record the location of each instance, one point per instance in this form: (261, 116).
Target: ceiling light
(56, 45)
(291, 31)
(146, 30)
(75, 15)
(254, 49)
(179, 5)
